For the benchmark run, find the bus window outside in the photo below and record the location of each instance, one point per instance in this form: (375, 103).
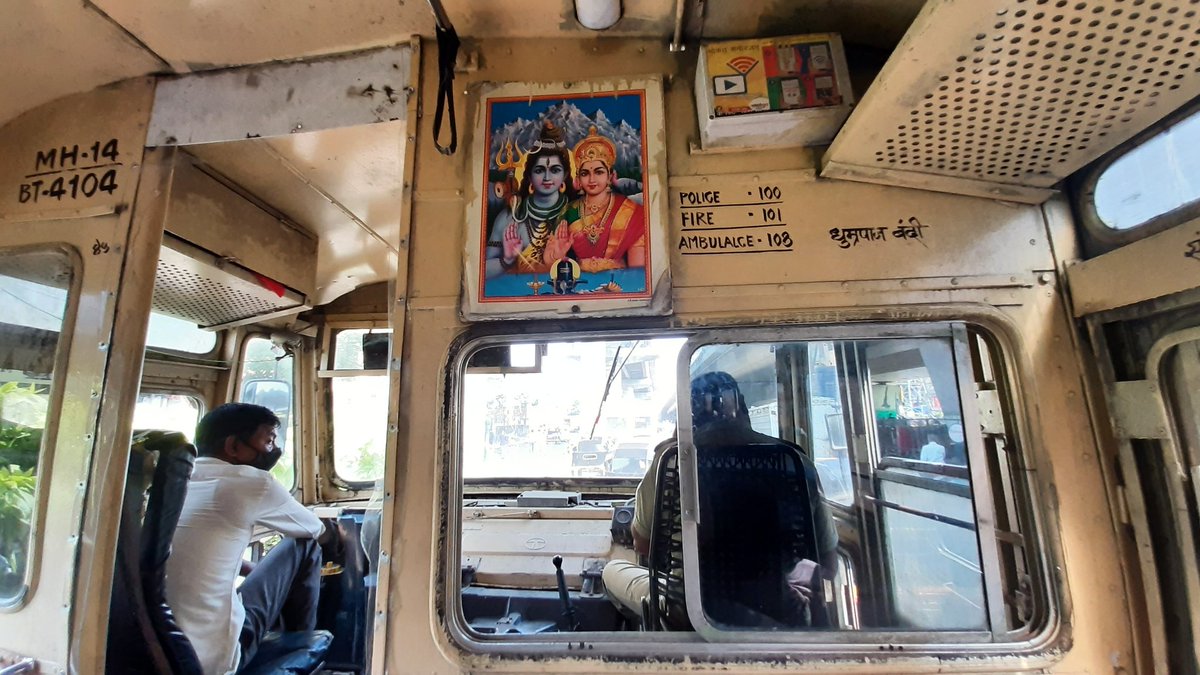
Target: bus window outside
(1152, 179)
(831, 452)
(167, 412)
(361, 348)
(35, 287)
(359, 396)
(592, 409)
(266, 380)
(360, 406)
(167, 332)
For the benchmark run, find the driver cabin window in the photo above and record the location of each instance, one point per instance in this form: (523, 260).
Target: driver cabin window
(842, 487)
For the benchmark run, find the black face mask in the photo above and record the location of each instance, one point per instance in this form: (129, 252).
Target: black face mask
(267, 460)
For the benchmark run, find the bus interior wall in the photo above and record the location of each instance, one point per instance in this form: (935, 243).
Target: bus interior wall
(361, 231)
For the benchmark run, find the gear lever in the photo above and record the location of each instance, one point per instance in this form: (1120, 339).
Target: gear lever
(568, 621)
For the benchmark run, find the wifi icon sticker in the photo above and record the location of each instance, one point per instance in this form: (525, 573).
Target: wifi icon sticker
(743, 64)
(728, 85)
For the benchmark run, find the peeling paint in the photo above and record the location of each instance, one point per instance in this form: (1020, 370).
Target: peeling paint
(200, 66)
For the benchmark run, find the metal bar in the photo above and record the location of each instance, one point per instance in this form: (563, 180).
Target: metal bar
(924, 514)
(22, 666)
(985, 506)
(924, 467)
(395, 452)
(925, 482)
(133, 37)
(1175, 459)
(1135, 503)
(677, 37)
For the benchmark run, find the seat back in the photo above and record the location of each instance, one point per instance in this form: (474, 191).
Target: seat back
(756, 524)
(667, 608)
(143, 635)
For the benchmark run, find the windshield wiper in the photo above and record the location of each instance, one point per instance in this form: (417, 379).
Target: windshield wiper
(612, 375)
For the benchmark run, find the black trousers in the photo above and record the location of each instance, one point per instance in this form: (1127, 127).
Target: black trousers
(281, 593)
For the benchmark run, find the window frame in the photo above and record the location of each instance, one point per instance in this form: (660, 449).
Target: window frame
(1041, 634)
(326, 373)
(45, 457)
(1084, 195)
(329, 346)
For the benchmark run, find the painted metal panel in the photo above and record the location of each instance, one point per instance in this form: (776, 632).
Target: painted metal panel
(1138, 410)
(1005, 98)
(43, 627)
(1154, 267)
(129, 305)
(212, 216)
(282, 98)
(862, 22)
(75, 157)
(1053, 431)
(788, 227)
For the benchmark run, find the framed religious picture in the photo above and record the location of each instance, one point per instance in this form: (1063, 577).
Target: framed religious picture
(568, 213)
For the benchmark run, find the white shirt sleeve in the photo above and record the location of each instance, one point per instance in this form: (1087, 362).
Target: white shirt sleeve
(279, 511)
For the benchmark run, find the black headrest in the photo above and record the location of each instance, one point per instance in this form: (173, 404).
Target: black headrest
(176, 458)
(172, 470)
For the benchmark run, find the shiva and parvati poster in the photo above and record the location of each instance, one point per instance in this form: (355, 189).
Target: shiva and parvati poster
(569, 210)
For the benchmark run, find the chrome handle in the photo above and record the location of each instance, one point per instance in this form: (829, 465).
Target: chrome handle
(22, 666)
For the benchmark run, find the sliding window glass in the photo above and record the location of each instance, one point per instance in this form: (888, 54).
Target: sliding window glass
(35, 287)
(784, 541)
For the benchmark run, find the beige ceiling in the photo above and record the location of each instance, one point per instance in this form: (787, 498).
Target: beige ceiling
(343, 185)
(49, 48)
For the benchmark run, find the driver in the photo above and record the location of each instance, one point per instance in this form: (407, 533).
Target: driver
(719, 417)
(229, 493)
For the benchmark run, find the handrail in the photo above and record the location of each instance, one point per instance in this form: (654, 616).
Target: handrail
(924, 514)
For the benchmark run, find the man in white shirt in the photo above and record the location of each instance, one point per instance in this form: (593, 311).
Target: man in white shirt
(933, 451)
(229, 493)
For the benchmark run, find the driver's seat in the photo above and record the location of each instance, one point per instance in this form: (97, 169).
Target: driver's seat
(143, 636)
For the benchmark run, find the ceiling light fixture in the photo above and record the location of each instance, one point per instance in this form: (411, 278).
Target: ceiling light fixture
(598, 14)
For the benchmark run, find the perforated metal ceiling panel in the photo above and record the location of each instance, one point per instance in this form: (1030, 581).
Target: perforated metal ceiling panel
(211, 292)
(1005, 98)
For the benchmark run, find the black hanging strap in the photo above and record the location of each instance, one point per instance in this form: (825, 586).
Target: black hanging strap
(447, 40)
